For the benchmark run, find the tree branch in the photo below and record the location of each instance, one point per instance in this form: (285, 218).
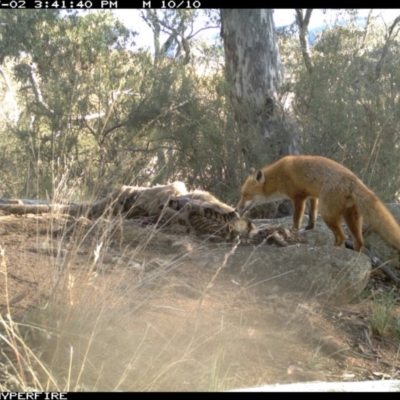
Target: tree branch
(381, 62)
(303, 30)
(367, 24)
(201, 29)
(36, 89)
(9, 89)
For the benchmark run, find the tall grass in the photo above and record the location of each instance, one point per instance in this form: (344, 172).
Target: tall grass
(83, 334)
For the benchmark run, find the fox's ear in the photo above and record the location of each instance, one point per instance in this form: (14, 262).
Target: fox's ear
(259, 177)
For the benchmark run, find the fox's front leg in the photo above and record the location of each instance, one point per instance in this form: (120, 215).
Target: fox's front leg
(312, 216)
(299, 205)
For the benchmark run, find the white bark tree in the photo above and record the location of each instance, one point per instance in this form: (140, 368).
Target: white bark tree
(255, 74)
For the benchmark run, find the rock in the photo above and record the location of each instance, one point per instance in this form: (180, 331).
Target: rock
(329, 274)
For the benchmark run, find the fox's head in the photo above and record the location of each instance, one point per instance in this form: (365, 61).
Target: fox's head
(252, 192)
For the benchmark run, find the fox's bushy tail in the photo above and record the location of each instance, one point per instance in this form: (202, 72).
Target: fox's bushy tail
(377, 215)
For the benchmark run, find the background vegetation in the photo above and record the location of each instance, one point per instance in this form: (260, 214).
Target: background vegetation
(82, 107)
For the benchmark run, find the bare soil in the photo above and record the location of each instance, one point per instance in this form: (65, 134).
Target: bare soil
(103, 314)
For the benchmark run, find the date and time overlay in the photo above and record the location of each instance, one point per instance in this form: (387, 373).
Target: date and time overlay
(103, 4)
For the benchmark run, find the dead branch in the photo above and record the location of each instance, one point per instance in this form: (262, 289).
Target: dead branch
(381, 62)
(303, 30)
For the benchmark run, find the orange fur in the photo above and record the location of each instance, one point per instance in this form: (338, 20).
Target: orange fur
(341, 195)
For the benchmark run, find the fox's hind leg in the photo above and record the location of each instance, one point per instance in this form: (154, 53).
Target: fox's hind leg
(331, 213)
(354, 222)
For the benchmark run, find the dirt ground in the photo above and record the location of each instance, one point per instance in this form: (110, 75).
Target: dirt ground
(99, 313)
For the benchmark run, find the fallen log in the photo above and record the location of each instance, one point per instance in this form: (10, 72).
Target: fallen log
(21, 209)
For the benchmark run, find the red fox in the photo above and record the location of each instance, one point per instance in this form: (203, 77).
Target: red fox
(340, 193)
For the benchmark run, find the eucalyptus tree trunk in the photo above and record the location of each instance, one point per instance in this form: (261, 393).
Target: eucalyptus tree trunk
(255, 74)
